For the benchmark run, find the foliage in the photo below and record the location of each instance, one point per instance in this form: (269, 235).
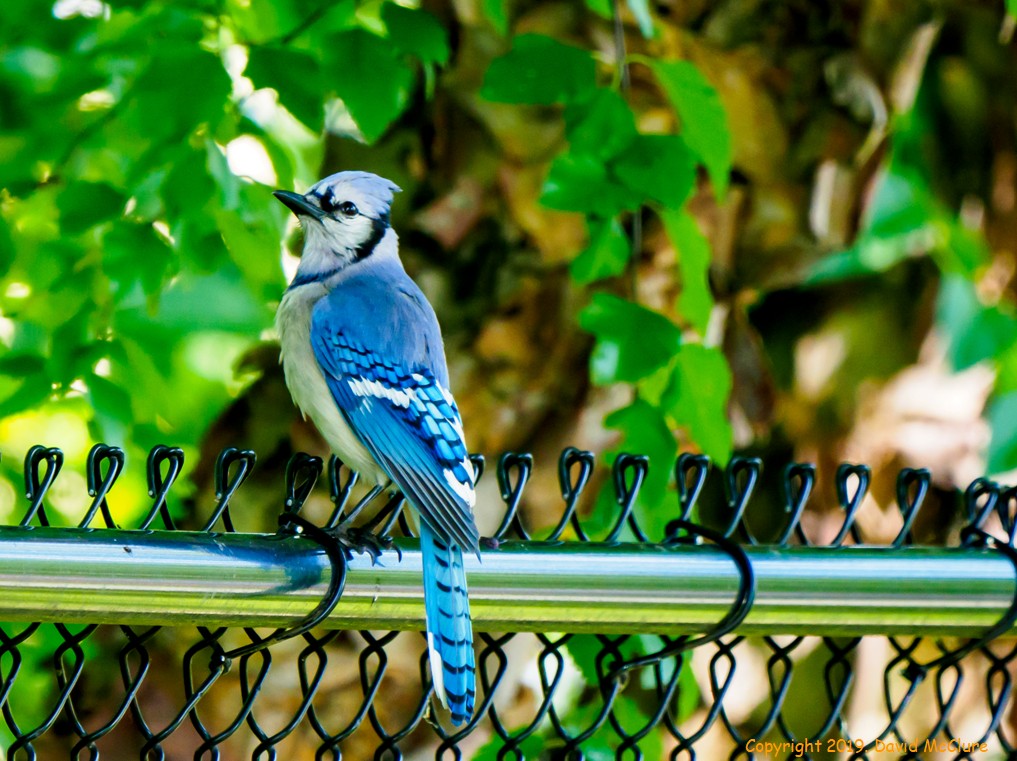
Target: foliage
(610, 168)
(139, 264)
(141, 164)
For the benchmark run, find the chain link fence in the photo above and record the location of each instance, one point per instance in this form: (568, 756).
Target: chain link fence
(723, 638)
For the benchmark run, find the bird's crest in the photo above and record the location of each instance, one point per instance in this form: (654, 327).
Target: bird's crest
(370, 193)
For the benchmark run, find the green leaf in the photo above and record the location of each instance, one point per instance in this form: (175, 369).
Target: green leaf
(584, 649)
(901, 220)
(21, 364)
(372, 81)
(34, 389)
(869, 254)
(632, 341)
(601, 126)
(688, 692)
(259, 20)
(295, 75)
(254, 248)
(540, 70)
(228, 184)
(606, 255)
(220, 301)
(704, 123)
(200, 244)
(7, 250)
(182, 88)
(280, 154)
(33, 66)
(188, 186)
(659, 167)
(901, 203)
(632, 718)
(975, 331)
(1002, 418)
(603, 745)
(136, 253)
(496, 11)
(645, 431)
(19, 170)
(962, 250)
(109, 399)
(263, 21)
(1006, 370)
(531, 747)
(416, 32)
(70, 343)
(251, 223)
(695, 302)
(85, 204)
(581, 183)
(696, 399)
(30, 338)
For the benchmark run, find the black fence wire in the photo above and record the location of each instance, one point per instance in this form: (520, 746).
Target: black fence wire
(120, 689)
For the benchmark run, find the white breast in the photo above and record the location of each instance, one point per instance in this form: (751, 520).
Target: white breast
(307, 384)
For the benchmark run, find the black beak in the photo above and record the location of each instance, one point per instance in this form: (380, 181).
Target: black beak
(298, 204)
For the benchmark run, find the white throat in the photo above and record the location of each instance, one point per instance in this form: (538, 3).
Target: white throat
(328, 252)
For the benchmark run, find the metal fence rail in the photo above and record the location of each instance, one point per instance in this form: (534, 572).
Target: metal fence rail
(156, 643)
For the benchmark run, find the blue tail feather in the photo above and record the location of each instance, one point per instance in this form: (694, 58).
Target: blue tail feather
(450, 634)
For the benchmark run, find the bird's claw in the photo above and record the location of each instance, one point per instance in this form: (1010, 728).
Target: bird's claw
(362, 541)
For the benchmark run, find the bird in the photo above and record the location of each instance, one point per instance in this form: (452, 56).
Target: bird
(363, 358)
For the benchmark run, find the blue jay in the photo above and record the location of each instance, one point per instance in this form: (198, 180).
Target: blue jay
(363, 358)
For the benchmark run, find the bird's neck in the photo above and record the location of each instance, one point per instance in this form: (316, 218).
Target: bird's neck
(325, 263)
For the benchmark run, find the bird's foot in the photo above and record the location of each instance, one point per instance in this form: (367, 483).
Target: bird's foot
(362, 541)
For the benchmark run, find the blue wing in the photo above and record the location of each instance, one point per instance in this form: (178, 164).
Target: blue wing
(379, 358)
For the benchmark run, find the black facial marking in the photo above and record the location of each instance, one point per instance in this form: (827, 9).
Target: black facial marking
(330, 205)
(378, 228)
(315, 277)
(324, 198)
(327, 202)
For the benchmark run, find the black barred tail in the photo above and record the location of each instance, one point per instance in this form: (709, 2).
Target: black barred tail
(449, 632)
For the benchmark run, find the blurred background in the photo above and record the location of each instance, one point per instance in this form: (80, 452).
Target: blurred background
(776, 228)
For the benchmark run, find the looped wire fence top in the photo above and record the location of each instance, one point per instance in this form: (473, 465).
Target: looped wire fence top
(723, 636)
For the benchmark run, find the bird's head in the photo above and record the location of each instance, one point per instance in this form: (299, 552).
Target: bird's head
(345, 218)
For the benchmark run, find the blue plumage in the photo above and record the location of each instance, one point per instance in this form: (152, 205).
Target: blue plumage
(397, 412)
(359, 339)
(448, 622)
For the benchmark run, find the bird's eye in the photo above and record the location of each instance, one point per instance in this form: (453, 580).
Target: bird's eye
(347, 208)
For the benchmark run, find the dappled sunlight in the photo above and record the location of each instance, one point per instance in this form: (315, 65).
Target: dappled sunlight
(59, 425)
(66, 9)
(63, 425)
(214, 357)
(247, 157)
